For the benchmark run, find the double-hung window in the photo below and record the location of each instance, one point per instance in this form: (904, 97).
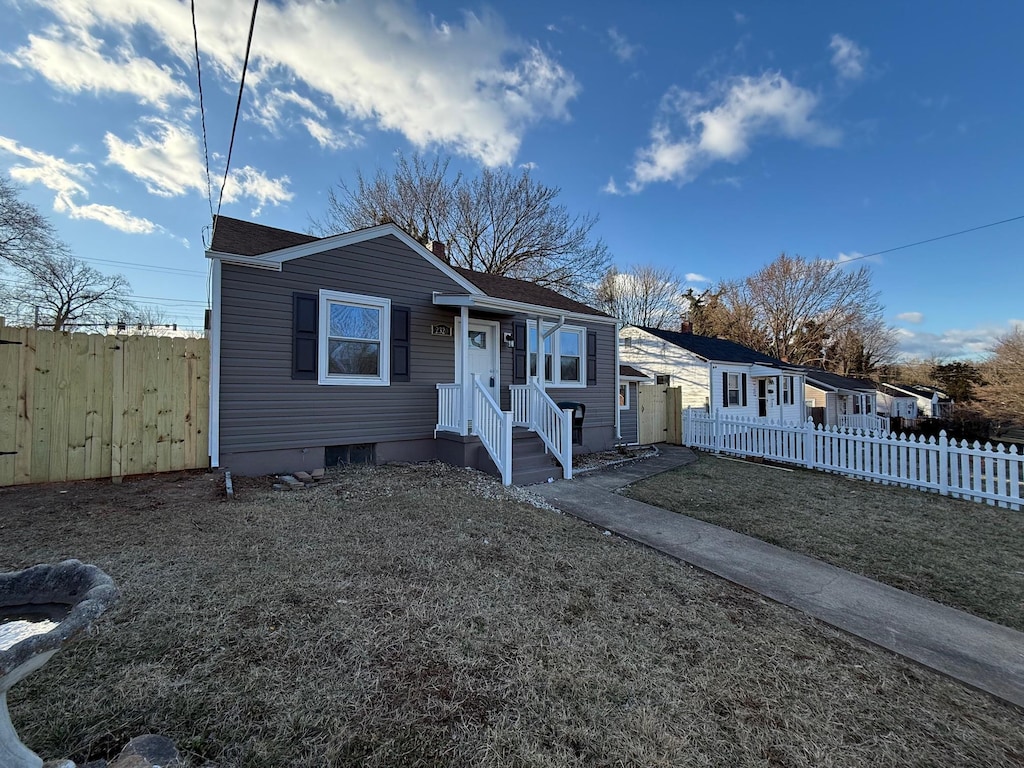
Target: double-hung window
(561, 359)
(733, 389)
(787, 390)
(354, 339)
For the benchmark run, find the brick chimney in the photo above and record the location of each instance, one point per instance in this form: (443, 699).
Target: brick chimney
(437, 248)
(686, 326)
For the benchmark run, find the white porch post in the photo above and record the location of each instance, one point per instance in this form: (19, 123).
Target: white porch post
(464, 383)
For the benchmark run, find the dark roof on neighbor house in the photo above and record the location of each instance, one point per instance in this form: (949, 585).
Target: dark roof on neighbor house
(833, 380)
(918, 390)
(713, 348)
(246, 238)
(629, 370)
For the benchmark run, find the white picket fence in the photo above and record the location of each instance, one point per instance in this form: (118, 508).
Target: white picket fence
(974, 472)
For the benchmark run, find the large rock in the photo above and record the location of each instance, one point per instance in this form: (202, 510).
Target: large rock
(149, 751)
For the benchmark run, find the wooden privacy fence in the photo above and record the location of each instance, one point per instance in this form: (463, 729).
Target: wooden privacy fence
(659, 409)
(76, 406)
(975, 472)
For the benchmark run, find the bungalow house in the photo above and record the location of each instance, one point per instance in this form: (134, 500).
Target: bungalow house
(630, 380)
(841, 401)
(716, 374)
(929, 402)
(367, 346)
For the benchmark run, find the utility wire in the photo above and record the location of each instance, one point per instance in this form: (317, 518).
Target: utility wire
(202, 111)
(238, 108)
(933, 239)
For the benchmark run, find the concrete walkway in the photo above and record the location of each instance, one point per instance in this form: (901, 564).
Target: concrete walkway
(981, 654)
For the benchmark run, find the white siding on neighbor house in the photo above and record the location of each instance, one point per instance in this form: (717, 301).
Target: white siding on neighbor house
(700, 380)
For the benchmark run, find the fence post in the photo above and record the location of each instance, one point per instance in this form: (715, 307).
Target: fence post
(809, 444)
(717, 427)
(943, 463)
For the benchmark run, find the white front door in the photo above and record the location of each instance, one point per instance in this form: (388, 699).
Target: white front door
(483, 356)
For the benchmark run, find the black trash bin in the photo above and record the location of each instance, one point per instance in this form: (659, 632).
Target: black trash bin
(579, 412)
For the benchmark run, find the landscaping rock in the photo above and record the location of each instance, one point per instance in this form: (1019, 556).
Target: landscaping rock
(318, 473)
(304, 476)
(291, 481)
(59, 764)
(148, 751)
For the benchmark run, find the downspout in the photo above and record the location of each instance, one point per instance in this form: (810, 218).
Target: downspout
(618, 384)
(215, 323)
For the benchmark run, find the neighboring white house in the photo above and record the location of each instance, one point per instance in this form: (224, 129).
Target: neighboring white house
(716, 374)
(929, 401)
(844, 401)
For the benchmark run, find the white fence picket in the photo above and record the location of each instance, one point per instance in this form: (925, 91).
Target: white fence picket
(979, 473)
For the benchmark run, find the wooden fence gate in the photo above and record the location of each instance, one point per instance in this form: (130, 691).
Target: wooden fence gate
(76, 406)
(660, 414)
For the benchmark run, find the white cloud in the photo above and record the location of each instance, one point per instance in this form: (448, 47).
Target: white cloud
(954, 343)
(693, 277)
(739, 18)
(467, 85)
(73, 61)
(848, 58)
(910, 317)
(328, 138)
(846, 258)
(621, 47)
(691, 130)
(67, 181)
(167, 160)
(611, 188)
(251, 183)
(528, 166)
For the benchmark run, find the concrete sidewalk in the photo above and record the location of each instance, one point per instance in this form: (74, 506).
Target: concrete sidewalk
(980, 653)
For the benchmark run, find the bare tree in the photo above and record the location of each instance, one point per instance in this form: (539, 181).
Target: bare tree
(44, 283)
(643, 295)
(810, 312)
(499, 222)
(1001, 398)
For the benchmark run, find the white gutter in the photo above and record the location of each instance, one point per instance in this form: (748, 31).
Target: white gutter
(518, 307)
(215, 323)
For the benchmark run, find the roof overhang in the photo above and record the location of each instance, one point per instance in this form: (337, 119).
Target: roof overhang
(638, 379)
(760, 370)
(274, 259)
(509, 307)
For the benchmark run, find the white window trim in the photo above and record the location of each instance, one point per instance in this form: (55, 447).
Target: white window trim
(738, 389)
(788, 388)
(354, 299)
(556, 355)
(626, 385)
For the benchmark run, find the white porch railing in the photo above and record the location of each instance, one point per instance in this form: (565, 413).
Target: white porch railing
(494, 428)
(534, 409)
(951, 468)
(865, 421)
(449, 409)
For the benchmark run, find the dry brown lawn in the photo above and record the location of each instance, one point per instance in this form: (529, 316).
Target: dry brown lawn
(422, 616)
(961, 553)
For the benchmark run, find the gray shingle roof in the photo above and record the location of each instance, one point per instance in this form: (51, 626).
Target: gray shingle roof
(713, 348)
(833, 380)
(246, 238)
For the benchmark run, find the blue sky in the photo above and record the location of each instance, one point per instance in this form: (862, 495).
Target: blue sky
(708, 137)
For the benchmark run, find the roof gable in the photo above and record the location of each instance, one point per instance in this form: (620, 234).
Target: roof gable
(265, 246)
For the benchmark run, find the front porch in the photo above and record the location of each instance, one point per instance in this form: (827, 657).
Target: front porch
(522, 443)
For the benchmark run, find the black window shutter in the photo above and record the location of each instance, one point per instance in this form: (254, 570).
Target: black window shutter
(400, 341)
(725, 389)
(519, 352)
(743, 387)
(305, 322)
(591, 357)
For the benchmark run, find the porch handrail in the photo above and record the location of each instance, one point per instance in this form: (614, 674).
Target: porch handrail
(494, 428)
(554, 425)
(449, 408)
(520, 405)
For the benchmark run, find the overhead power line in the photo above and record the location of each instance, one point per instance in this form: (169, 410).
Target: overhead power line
(933, 239)
(238, 109)
(202, 111)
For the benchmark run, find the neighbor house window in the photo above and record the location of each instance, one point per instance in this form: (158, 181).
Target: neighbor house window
(733, 389)
(562, 355)
(787, 390)
(354, 339)
(624, 396)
